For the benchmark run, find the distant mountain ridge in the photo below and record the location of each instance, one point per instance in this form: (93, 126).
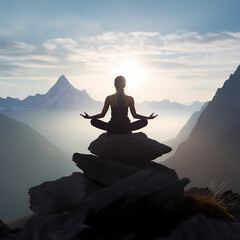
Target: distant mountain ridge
(168, 106)
(9, 102)
(63, 96)
(165, 104)
(212, 151)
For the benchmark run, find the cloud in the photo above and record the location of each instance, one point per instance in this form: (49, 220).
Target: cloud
(179, 57)
(7, 84)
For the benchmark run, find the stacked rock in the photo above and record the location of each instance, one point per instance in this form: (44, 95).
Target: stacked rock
(118, 156)
(120, 193)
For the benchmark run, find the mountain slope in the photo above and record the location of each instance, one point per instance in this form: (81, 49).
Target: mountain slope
(26, 159)
(62, 96)
(212, 151)
(183, 134)
(9, 103)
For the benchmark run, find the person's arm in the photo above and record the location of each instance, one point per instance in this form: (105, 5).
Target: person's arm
(102, 114)
(136, 115)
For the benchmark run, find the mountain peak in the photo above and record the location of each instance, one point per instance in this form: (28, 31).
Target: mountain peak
(230, 87)
(62, 80)
(61, 87)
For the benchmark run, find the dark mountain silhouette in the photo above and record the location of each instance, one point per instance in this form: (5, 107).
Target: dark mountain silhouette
(26, 159)
(212, 151)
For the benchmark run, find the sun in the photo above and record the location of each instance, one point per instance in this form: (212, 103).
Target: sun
(133, 73)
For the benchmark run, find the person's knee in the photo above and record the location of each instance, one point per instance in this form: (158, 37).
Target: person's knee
(93, 121)
(145, 122)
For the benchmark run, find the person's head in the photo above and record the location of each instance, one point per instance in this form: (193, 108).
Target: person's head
(120, 83)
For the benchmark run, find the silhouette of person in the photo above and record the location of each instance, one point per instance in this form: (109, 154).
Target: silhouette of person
(119, 102)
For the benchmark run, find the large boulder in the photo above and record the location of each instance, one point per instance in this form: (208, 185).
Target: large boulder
(133, 148)
(149, 198)
(146, 201)
(62, 194)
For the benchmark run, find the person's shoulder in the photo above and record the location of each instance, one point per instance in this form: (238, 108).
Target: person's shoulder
(130, 98)
(109, 98)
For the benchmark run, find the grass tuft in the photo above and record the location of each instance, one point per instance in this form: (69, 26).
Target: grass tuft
(210, 206)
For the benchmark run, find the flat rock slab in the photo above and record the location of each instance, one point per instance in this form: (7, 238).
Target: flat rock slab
(129, 147)
(101, 170)
(107, 172)
(64, 193)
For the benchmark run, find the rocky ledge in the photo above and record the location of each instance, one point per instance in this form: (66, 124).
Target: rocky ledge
(118, 196)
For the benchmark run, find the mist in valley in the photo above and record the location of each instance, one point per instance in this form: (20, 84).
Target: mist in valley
(72, 133)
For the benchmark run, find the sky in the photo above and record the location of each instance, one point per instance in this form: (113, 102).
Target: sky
(181, 50)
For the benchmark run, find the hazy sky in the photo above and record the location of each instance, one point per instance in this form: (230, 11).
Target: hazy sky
(182, 50)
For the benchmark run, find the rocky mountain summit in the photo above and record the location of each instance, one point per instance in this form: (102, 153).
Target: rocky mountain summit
(118, 197)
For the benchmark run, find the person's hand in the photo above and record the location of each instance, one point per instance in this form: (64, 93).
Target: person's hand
(152, 116)
(85, 116)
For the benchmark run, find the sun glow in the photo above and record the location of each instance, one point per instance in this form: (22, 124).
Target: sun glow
(133, 73)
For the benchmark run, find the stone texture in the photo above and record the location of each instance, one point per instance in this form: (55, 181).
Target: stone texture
(101, 170)
(5, 230)
(106, 171)
(143, 197)
(147, 198)
(133, 148)
(64, 193)
(200, 227)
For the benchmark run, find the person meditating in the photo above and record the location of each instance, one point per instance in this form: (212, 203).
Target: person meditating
(119, 102)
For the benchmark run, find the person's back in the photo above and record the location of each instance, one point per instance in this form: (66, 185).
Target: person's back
(119, 122)
(119, 102)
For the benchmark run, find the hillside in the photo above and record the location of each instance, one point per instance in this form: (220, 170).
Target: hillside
(183, 134)
(26, 159)
(212, 153)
